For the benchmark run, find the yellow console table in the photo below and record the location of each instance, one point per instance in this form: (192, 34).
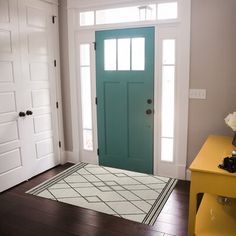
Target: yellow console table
(206, 177)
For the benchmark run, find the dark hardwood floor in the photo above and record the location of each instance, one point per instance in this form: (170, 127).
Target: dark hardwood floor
(24, 214)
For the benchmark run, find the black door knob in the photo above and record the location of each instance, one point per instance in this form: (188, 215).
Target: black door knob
(149, 101)
(29, 113)
(21, 114)
(148, 111)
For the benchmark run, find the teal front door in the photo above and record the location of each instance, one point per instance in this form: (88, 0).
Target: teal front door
(124, 86)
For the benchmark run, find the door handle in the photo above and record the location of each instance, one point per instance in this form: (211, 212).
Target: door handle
(29, 113)
(149, 101)
(148, 111)
(21, 114)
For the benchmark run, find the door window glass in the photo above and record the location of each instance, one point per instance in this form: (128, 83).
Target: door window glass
(138, 53)
(110, 54)
(124, 54)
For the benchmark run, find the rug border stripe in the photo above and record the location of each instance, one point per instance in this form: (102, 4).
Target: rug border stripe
(158, 210)
(157, 200)
(160, 202)
(46, 184)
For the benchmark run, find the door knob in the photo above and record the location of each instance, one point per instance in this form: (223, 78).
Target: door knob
(29, 113)
(21, 114)
(149, 101)
(148, 111)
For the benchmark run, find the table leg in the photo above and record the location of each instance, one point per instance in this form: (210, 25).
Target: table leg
(192, 211)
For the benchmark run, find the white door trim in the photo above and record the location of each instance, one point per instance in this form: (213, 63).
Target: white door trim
(177, 168)
(56, 53)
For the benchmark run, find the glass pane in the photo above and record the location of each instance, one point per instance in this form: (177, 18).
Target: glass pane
(88, 139)
(168, 51)
(126, 14)
(168, 100)
(84, 55)
(167, 149)
(110, 54)
(166, 11)
(138, 53)
(86, 18)
(123, 54)
(86, 98)
(117, 15)
(147, 12)
(151, 12)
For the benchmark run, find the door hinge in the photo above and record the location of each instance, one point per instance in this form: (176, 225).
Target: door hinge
(53, 19)
(55, 63)
(98, 151)
(59, 144)
(95, 45)
(57, 105)
(96, 100)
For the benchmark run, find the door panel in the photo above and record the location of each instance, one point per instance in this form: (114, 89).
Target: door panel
(4, 11)
(124, 83)
(6, 69)
(13, 164)
(10, 161)
(39, 74)
(136, 106)
(113, 107)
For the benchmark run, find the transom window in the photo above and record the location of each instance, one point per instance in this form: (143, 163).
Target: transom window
(124, 54)
(150, 12)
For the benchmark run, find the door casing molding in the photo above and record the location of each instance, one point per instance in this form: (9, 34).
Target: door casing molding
(181, 29)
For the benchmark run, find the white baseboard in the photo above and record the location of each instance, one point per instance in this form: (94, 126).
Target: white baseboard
(188, 175)
(70, 157)
(63, 158)
(91, 160)
(170, 170)
(181, 169)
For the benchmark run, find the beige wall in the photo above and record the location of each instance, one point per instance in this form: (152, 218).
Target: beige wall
(213, 67)
(65, 82)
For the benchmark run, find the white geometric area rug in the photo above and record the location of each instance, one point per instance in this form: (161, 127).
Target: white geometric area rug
(127, 194)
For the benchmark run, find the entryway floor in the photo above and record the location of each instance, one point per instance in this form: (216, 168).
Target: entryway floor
(24, 214)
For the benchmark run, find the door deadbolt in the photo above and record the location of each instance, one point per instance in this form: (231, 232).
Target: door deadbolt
(148, 111)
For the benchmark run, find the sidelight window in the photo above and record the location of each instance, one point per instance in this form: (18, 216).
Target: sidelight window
(168, 99)
(86, 102)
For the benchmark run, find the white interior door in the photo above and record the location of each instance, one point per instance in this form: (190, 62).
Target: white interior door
(13, 151)
(28, 144)
(37, 45)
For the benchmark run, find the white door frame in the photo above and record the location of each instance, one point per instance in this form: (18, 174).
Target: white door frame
(181, 29)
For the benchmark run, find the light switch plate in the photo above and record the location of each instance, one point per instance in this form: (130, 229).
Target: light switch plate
(197, 93)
